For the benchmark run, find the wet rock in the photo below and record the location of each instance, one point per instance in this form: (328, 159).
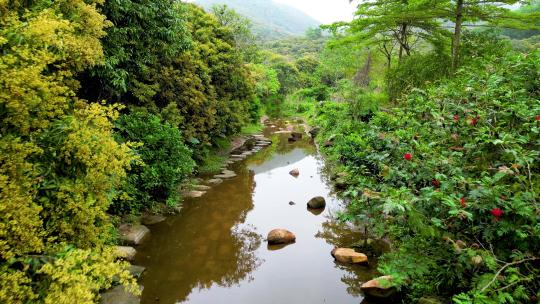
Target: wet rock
(315, 212)
(136, 271)
(152, 219)
(349, 256)
(226, 174)
(247, 153)
(282, 132)
(314, 132)
(295, 172)
(379, 287)
(317, 203)
(214, 181)
(119, 295)
(238, 156)
(202, 188)
(295, 136)
(133, 234)
(126, 252)
(292, 203)
(429, 300)
(193, 194)
(280, 236)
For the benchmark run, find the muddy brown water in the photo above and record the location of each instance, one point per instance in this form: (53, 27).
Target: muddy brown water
(214, 251)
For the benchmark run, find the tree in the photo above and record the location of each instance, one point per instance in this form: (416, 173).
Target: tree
(492, 12)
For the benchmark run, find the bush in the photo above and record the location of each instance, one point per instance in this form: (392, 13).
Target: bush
(166, 162)
(451, 177)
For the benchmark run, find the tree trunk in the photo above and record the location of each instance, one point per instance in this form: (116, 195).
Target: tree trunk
(457, 34)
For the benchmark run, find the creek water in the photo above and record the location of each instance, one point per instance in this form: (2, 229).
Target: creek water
(215, 251)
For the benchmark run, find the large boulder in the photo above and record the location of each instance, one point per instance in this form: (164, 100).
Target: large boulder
(349, 256)
(280, 236)
(380, 287)
(133, 234)
(317, 203)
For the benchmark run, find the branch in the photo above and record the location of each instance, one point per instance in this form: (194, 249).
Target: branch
(504, 267)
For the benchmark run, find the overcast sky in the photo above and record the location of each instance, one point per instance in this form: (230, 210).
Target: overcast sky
(326, 11)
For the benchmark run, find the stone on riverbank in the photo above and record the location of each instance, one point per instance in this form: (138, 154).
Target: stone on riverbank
(295, 172)
(317, 203)
(226, 174)
(379, 287)
(202, 188)
(126, 252)
(214, 181)
(193, 194)
(280, 236)
(133, 234)
(119, 295)
(136, 271)
(152, 219)
(314, 132)
(349, 256)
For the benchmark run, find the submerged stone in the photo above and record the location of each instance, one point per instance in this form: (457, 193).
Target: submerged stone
(193, 194)
(152, 219)
(214, 181)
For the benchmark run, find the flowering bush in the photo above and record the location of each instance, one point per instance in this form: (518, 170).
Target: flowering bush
(452, 177)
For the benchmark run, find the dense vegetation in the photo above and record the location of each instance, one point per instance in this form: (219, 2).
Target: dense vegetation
(101, 106)
(107, 106)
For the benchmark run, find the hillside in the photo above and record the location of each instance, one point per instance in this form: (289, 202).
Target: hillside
(270, 19)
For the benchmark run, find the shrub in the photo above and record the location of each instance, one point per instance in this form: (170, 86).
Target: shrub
(451, 177)
(166, 162)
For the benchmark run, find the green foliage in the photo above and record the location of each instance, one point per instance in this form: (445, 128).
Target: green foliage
(166, 161)
(60, 166)
(463, 211)
(145, 35)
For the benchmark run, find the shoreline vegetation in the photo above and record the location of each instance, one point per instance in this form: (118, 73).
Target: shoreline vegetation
(427, 113)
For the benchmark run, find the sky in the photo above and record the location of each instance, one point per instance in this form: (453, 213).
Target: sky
(325, 11)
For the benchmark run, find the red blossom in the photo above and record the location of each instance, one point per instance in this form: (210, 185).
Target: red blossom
(463, 202)
(407, 156)
(537, 117)
(456, 118)
(436, 183)
(497, 212)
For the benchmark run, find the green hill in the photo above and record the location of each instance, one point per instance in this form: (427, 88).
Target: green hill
(270, 19)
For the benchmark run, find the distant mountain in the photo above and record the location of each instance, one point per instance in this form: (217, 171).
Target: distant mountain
(270, 19)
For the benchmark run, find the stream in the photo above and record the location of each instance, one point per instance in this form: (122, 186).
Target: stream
(215, 251)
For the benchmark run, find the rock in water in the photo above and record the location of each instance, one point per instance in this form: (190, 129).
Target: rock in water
(292, 203)
(317, 203)
(295, 172)
(214, 181)
(202, 188)
(348, 255)
(280, 236)
(379, 287)
(314, 132)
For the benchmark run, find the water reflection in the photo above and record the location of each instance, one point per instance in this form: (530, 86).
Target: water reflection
(213, 252)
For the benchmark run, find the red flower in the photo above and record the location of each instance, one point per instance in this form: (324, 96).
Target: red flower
(463, 202)
(456, 118)
(497, 212)
(474, 121)
(537, 117)
(408, 156)
(436, 183)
